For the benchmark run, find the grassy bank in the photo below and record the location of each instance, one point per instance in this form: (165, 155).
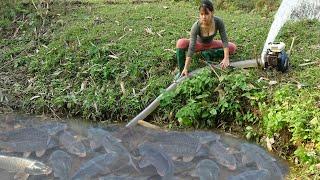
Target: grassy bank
(107, 61)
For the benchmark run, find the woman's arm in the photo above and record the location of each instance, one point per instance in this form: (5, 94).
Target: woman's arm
(225, 62)
(186, 66)
(191, 49)
(223, 34)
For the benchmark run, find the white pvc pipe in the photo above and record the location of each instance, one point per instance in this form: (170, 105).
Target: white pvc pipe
(155, 103)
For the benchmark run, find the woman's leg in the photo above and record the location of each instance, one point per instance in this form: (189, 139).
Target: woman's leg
(181, 48)
(215, 44)
(214, 49)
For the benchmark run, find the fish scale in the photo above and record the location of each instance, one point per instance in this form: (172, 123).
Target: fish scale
(24, 134)
(207, 169)
(72, 145)
(17, 164)
(222, 156)
(53, 128)
(177, 144)
(61, 163)
(102, 164)
(262, 174)
(36, 144)
(27, 140)
(177, 139)
(151, 155)
(252, 153)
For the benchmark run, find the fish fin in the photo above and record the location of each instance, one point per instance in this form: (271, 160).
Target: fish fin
(160, 172)
(8, 147)
(193, 173)
(26, 154)
(3, 138)
(21, 176)
(48, 140)
(40, 153)
(118, 140)
(187, 158)
(83, 154)
(144, 163)
(133, 164)
(174, 158)
(95, 145)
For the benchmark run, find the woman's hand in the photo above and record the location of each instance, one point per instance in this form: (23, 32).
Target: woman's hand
(225, 63)
(184, 72)
(186, 67)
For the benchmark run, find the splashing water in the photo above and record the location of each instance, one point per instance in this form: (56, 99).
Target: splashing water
(307, 9)
(291, 9)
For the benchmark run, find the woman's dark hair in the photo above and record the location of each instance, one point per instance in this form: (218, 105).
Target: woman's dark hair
(207, 6)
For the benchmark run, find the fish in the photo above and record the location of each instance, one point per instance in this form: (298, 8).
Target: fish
(132, 138)
(181, 167)
(220, 153)
(96, 136)
(177, 145)
(113, 177)
(27, 140)
(262, 174)
(261, 159)
(53, 128)
(73, 146)
(207, 170)
(205, 137)
(259, 150)
(100, 165)
(203, 151)
(152, 155)
(114, 145)
(100, 137)
(23, 166)
(61, 163)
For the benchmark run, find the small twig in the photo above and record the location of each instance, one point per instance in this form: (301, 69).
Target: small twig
(6, 63)
(34, 5)
(291, 46)
(123, 90)
(170, 50)
(18, 28)
(122, 37)
(144, 89)
(79, 43)
(54, 114)
(211, 68)
(306, 64)
(16, 32)
(147, 124)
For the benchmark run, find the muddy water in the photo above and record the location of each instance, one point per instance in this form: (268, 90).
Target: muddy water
(139, 153)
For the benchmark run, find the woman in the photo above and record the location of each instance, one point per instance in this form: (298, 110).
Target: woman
(201, 39)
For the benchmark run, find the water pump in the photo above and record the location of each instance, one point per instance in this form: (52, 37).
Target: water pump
(275, 57)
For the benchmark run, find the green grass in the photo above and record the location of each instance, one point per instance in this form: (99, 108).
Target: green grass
(68, 67)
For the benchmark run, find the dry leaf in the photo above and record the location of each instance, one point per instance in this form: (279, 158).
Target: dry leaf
(149, 31)
(263, 79)
(123, 90)
(95, 107)
(171, 50)
(113, 56)
(83, 85)
(34, 97)
(269, 141)
(272, 82)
